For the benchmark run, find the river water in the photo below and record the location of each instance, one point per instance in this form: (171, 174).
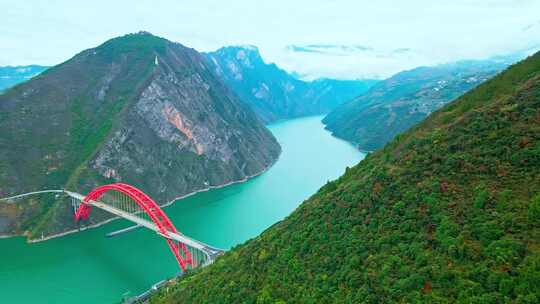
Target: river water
(87, 267)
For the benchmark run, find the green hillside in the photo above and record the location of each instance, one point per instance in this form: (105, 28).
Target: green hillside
(138, 109)
(396, 104)
(447, 212)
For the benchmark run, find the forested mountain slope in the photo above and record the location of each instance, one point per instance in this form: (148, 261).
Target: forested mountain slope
(138, 109)
(447, 212)
(405, 99)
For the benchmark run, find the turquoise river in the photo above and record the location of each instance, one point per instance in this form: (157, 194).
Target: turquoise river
(87, 267)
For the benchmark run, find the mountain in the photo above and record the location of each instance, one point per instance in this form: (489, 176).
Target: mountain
(395, 104)
(448, 212)
(138, 109)
(10, 76)
(275, 94)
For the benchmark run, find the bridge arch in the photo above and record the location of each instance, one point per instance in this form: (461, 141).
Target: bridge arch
(146, 204)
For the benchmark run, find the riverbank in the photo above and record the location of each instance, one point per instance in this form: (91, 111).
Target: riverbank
(96, 225)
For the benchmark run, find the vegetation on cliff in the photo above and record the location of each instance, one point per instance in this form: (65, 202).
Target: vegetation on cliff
(138, 109)
(447, 212)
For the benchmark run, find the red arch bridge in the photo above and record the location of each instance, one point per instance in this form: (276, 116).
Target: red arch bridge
(130, 203)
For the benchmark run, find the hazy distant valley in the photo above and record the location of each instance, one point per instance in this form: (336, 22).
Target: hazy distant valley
(10, 76)
(396, 104)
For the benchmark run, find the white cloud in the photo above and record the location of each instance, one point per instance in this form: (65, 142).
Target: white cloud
(49, 32)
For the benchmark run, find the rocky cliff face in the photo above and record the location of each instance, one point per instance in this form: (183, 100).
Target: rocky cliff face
(396, 104)
(275, 94)
(137, 109)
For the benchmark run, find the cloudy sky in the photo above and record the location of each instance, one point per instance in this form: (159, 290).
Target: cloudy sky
(315, 38)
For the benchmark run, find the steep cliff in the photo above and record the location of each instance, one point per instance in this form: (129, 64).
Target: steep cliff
(138, 109)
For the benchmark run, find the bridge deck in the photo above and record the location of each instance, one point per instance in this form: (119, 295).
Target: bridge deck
(29, 194)
(209, 250)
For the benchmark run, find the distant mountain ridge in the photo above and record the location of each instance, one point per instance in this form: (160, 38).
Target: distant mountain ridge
(275, 94)
(403, 100)
(12, 75)
(270, 91)
(138, 109)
